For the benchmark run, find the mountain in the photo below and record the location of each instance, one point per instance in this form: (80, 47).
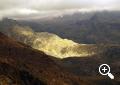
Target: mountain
(22, 65)
(52, 44)
(85, 28)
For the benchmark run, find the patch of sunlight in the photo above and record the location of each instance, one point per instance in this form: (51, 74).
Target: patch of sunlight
(52, 44)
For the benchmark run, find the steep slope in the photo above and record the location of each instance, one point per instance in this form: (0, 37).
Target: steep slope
(22, 65)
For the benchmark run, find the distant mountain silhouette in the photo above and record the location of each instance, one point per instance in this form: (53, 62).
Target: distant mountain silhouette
(86, 28)
(89, 28)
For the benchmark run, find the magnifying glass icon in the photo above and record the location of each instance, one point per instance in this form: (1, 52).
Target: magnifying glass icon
(104, 69)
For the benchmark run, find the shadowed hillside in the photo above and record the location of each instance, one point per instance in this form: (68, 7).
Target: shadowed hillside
(88, 66)
(22, 65)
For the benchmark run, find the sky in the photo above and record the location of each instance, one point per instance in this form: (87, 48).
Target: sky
(45, 8)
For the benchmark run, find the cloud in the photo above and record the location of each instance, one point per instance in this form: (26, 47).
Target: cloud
(19, 8)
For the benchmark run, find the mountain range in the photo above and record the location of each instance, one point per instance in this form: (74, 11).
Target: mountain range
(22, 65)
(85, 28)
(24, 59)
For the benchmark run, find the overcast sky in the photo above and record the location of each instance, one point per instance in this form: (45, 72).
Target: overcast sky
(44, 8)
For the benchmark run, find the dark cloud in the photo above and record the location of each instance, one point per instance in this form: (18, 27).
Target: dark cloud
(19, 8)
